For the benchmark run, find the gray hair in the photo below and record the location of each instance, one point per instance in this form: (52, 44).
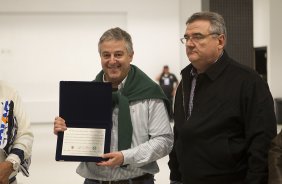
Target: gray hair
(215, 19)
(117, 34)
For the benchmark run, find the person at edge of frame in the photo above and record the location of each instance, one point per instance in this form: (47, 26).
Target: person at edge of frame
(16, 136)
(224, 116)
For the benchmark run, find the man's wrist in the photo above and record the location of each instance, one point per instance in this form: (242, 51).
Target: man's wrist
(14, 164)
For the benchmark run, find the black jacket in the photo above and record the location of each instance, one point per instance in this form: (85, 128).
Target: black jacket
(227, 137)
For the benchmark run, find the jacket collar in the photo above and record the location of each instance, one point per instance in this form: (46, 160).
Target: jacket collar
(215, 70)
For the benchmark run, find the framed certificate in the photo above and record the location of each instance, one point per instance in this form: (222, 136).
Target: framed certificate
(87, 109)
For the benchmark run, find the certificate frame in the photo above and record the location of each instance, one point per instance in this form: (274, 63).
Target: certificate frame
(84, 106)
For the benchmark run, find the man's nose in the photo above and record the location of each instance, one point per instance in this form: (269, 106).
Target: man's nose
(112, 59)
(189, 43)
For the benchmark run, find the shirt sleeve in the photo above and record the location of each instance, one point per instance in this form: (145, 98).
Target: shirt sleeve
(260, 128)
(175, 78)
(24, 138)
(159, 136)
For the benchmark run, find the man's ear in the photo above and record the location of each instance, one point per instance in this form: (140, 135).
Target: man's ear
(221, 41)
(131, 56)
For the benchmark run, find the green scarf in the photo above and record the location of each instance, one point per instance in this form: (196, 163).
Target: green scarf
(138, 86)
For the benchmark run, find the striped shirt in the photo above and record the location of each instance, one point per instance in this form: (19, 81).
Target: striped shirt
(152, 139)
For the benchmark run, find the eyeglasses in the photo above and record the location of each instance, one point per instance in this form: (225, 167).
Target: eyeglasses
(195, 37)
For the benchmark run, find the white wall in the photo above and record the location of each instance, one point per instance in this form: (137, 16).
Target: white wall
(261, 23)
(154, 27)
(187, 8)
(275, 54)
(39, 49)
(267, 33)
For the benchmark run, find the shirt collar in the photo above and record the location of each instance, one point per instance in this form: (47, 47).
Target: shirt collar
(217, 68)
(120, 86)
(193, 72)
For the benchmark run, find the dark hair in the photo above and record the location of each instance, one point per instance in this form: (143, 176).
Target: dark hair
(215, 19)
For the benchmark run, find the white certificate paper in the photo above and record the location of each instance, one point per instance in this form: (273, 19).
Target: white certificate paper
(84, 142)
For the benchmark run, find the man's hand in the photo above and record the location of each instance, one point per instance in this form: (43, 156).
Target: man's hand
(6, 169)
(59, 125)
(115, 159)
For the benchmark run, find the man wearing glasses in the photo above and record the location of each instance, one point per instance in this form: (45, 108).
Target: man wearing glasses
(223, 112)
